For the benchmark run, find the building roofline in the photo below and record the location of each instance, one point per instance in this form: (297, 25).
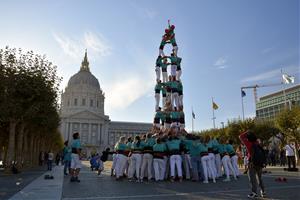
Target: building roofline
(125, 122)
(279, 92)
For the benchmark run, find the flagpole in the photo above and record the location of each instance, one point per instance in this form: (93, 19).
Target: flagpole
(213, 111)
(284, 94)
(192, 120)
(243, 112)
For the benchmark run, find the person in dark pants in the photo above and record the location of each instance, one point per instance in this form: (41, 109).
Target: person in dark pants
(249, 139)
(290, 154)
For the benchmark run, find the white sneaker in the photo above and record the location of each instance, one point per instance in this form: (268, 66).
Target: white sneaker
(214, 181)
(226, 180)
(205, 182)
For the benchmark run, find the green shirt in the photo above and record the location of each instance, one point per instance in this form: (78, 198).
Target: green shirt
(179, 87)
(158, 86)
(174, 115)
(134, 146)
(173, 144)
(160, 115)
(160, 147)
(188, 144)
(221, 148)
(120, 147)
(229, 148)
(159, 61)
(164, 65)
(149, 142)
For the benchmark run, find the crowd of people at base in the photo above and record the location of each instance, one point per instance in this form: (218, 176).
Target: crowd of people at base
(174, 156)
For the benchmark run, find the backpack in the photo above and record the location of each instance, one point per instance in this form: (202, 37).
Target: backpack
(258, 157)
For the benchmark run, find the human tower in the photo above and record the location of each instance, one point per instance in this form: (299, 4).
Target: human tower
(170, 113)
(168, 151)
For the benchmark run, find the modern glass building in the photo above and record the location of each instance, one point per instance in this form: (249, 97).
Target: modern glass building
(270, 105)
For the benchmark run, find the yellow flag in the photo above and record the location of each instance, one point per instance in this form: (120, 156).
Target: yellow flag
(215, 106)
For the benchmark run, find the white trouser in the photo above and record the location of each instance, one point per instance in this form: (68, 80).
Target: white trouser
(147, 162)
(178, 75)
(213, 165)
(135, 165)
(234, 163)
(157, 98)
(125, 168)
(207, 168)
(176, 160)
(114, 157)
(187, 165)
(157, 71)
(165, 77)
(227, 166)
(180, 100)
(164, 102)
(175, 49)
(159, 169)
(120, 163)
(218, 165)
(173, 70)
(174, 100)
(161, 53)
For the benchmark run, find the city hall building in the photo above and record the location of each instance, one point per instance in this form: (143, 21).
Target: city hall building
(270, 105)
(82, 110)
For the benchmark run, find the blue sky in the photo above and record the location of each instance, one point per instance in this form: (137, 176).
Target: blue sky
(224, 45)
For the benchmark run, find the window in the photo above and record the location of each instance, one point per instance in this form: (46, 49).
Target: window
(83, 102)
(91, 103)
(75, 102)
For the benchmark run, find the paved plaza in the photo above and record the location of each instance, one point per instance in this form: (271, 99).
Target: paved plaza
(93, 187)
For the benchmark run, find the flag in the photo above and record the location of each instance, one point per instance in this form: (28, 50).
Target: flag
(243, 93)
(215, 106)
(193, 114)
(287, 79)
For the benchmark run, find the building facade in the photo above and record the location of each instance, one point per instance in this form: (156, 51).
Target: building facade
(82, 110)
(270, 105)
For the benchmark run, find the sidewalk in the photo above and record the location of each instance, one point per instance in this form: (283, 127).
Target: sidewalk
(43, 189)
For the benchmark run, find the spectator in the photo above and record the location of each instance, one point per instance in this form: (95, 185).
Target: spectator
(290, 154)
(249, 139)
(67, 157)
(50, 160)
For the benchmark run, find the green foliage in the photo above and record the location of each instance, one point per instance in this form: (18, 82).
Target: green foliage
(29, 88)
(288, 122)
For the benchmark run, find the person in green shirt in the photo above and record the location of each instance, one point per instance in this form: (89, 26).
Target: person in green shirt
(157, 67)
(173, 145)
(181, 118)
(157, 89)
(174, 92)
(121, 157)
(164, 69)
(233, 157)
(195, 151)
(159, 116)
(178, 68)
(159, 164)
(180, 94)
(226, 161)
(147, 156)
(67, 151)
(136, 158)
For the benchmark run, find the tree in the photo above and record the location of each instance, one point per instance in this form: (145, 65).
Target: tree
(288, 121)
(28, 102)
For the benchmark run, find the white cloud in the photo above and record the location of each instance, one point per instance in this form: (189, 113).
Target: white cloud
(123, 92)
(96, 44)
(267, 50)
(143, 11)
(276, 73)
(221, 63)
